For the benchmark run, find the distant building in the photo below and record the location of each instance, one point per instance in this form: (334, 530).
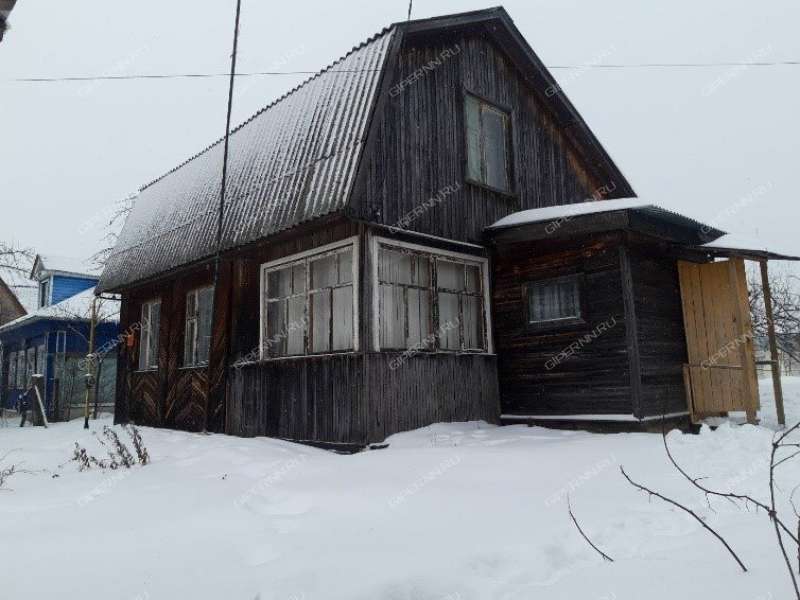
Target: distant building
(788, 353)
(18, 293)
(5, 9)
(52, 338)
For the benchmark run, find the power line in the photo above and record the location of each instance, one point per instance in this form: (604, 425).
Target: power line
(86, 78)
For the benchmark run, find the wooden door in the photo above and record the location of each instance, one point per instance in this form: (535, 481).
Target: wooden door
(720, 376)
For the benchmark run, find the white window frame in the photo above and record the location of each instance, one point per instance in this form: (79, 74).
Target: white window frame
(274, 265)
(483, 263)
(196, 293)
(145, 347)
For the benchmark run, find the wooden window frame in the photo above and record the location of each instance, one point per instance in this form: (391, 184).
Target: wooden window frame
(149, 368)
(306, 258)
(511, 192)
(561, 322)
(194, 364)
(435, 253)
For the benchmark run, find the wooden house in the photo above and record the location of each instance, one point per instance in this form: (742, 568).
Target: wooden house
(52, 338)
(424, 231)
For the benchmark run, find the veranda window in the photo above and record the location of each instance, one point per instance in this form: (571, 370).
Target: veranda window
(428, 300)
(197, 335)
(309, 303)
(148, 343)
(20, 377)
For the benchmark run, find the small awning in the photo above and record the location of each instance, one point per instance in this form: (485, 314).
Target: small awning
(735, 246)
(597, 216)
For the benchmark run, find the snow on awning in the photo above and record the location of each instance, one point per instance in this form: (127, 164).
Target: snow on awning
(740, 246)
(75, 308)
(595, 216)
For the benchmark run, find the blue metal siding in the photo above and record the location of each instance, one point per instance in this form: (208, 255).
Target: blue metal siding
(66, 287)
(45, 331)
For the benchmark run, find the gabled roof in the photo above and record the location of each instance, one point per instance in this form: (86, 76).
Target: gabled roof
(53, 264)
(75, 308)
(297, 159)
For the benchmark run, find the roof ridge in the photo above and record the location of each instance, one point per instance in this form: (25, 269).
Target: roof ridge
(322, 71)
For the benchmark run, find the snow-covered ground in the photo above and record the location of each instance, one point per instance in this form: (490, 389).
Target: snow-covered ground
(449, 512)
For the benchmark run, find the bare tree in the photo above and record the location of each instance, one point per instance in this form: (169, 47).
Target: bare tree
(112, 225)
(16, 257)
(785, 288)
(106, 310)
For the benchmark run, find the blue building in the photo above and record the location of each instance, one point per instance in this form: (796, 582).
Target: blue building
(53, 339)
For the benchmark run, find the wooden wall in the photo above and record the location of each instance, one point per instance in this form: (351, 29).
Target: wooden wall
(593, 380)
(661, 333)
(419, 146)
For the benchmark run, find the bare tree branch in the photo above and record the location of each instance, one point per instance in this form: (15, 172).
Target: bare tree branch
(688, 511)
(585, 537)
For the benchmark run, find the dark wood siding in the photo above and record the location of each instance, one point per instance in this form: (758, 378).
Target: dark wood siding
(595, 378)
(662, 340)
(419, 148)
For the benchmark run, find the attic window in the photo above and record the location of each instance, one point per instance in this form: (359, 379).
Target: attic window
(488, 144)
(44, 293)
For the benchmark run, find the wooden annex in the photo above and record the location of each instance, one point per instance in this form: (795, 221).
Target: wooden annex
(425, 231)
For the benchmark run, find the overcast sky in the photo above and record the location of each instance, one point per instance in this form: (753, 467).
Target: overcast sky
(720, 144)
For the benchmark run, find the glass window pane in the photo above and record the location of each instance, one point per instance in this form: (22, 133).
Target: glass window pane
(419, 318)
(450, 275)
(155, 328)
(423, 271)
(473, 278)
(295, 340)
(321, 321)
(473, 127)
(393, 317)
(299, 278)
(346, 266)
(323, 272)
(204, 322)
(279, 283)
(496, 148)
(188, 343)
(473, 337)
(343, 318)
(395, 266)
(555, 300)
(275, 340)
(449, 322)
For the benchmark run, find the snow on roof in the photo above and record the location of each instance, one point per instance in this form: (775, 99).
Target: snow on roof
(738, 242)
(567, 211)
(68, 264)
(76, 308)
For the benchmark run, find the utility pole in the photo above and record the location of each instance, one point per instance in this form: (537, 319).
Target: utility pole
(216, 312)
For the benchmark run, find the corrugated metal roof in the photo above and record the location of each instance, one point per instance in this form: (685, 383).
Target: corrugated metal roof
(293, 161)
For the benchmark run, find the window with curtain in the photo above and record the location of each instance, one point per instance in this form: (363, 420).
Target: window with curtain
(148, 341)
(309, 304)
(430, 301)
(488, 144)
(197, 334)
(554, 300)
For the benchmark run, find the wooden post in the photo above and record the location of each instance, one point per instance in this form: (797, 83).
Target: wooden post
(38, 387)
(773, 343)
(744, 337)
(90, 364)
